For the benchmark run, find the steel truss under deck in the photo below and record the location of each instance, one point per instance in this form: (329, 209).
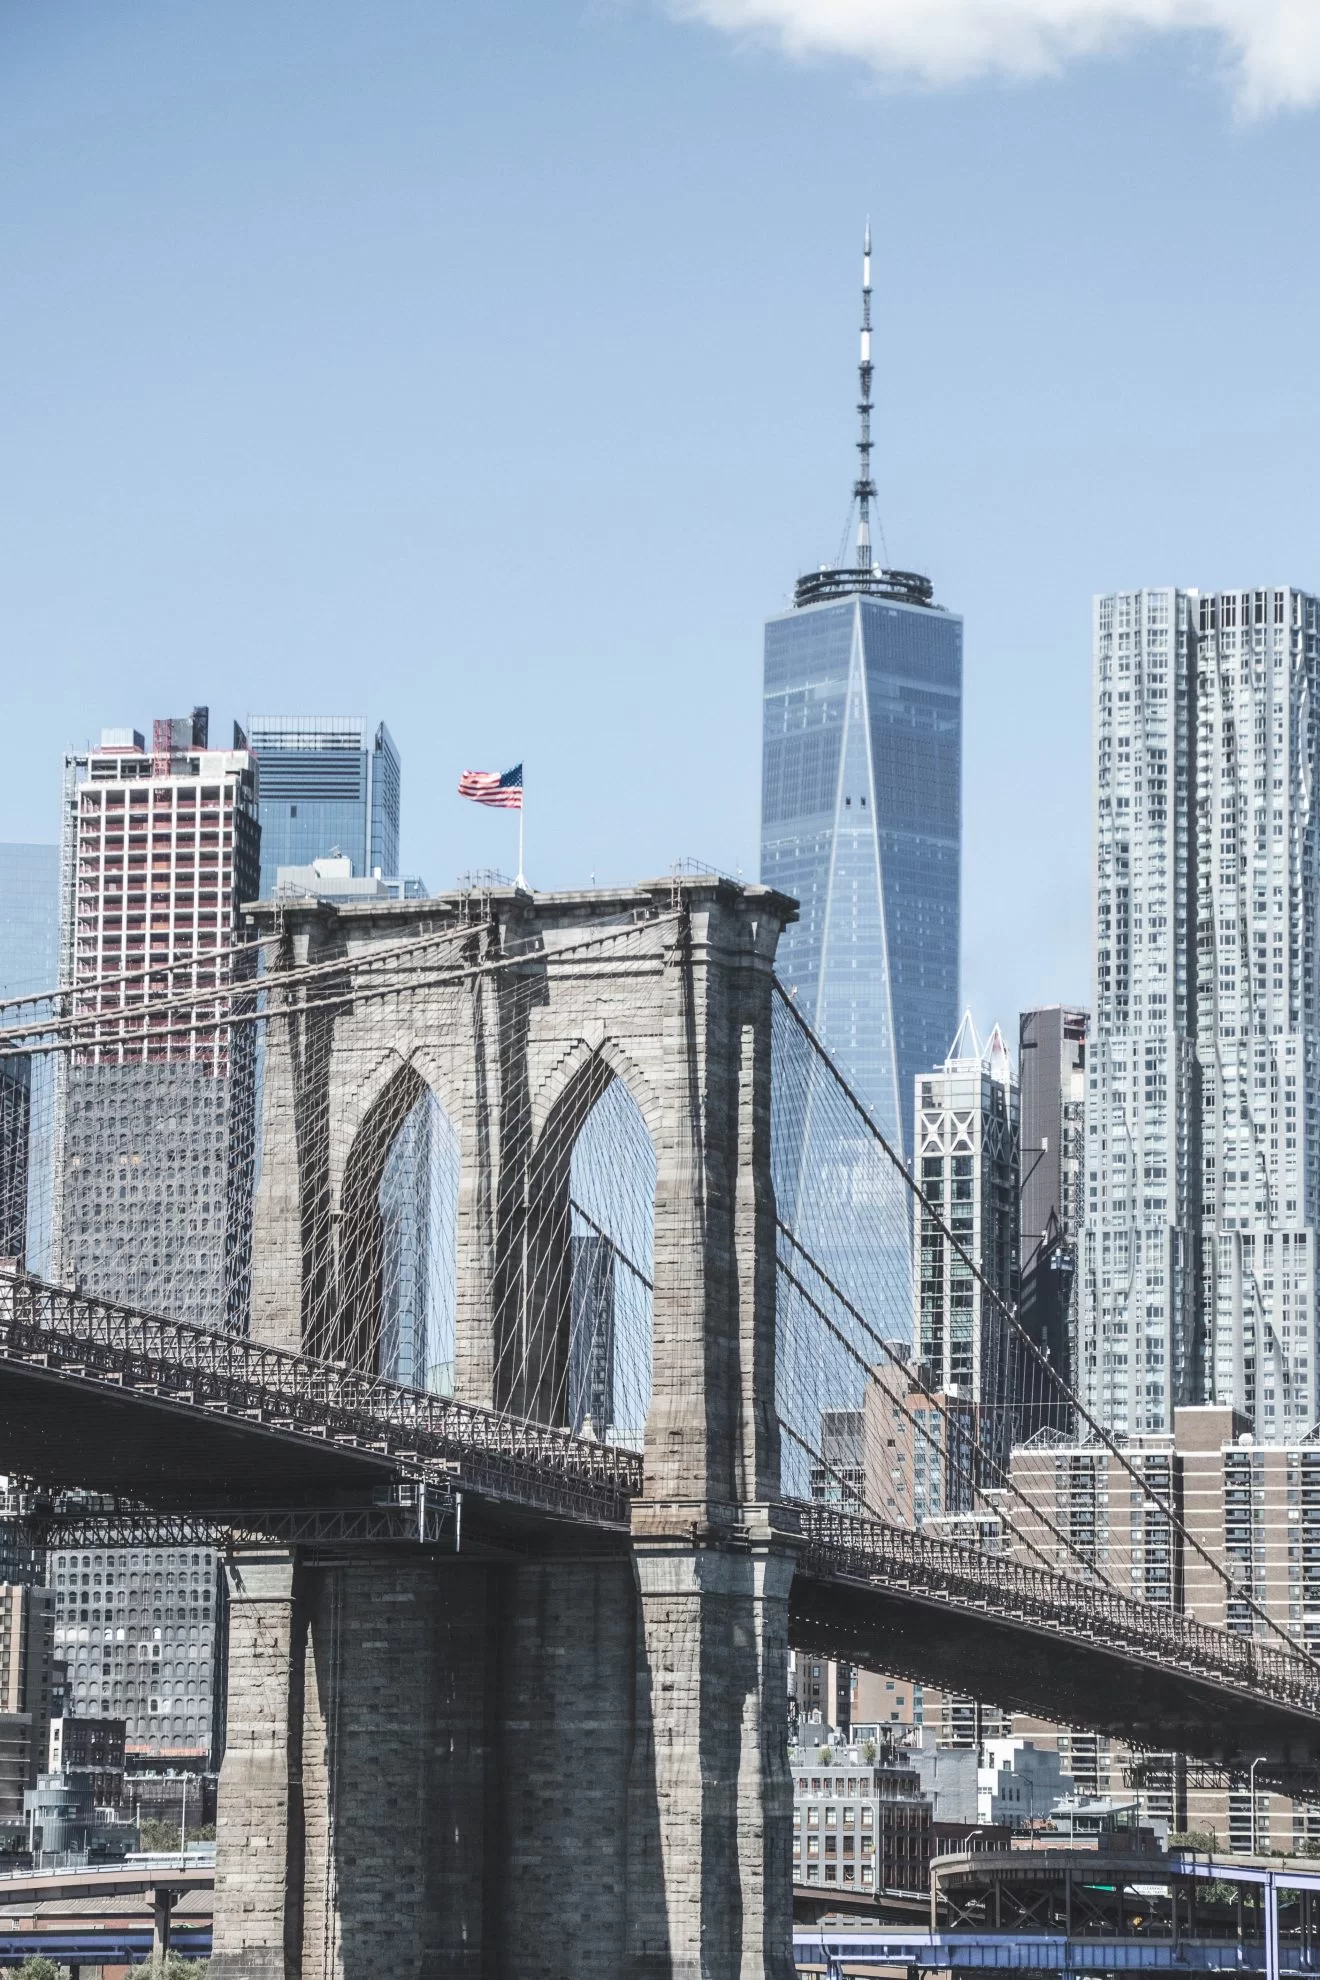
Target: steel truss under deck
(855, 1548)
(95, 1342)
(427, 1517)
(434, 1450)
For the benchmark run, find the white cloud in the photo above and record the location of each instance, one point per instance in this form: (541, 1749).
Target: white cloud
(1269, 48)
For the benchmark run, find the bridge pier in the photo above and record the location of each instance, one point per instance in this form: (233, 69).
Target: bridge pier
(258, 1870)
(163, 1902)
(464, 1770)
(397, 1749)
(715, 1631)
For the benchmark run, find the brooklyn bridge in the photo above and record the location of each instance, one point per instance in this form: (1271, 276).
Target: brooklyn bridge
(508, 1648)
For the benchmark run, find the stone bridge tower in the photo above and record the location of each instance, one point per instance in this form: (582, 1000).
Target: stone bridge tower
(568, 1758)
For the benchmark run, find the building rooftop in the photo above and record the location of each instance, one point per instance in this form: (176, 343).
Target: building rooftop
(902, 587)
(332, 879)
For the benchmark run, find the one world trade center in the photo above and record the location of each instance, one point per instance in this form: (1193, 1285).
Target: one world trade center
(861, 807)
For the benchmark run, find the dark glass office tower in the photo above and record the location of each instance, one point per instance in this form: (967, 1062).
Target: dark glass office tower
(29, 963)
(29, 919)
(591, 1333)
(861, 808)
(328, 784)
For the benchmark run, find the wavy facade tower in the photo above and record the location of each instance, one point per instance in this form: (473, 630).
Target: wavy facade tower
(1141, 1346)
(1199, 1259)
(1258, 1001)
(861, 806)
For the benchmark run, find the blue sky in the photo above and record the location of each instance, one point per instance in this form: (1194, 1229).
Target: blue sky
(488, 368)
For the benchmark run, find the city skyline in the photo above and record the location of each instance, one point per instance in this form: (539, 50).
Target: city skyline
(308, 502)
(782, 1348)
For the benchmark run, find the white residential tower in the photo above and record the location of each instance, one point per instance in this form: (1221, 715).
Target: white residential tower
(1203, 1130)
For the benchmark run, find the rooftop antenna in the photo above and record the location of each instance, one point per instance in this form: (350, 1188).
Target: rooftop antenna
(866, 577)
(864, 487)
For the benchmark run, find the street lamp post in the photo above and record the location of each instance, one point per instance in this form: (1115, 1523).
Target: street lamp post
(1255, 1832)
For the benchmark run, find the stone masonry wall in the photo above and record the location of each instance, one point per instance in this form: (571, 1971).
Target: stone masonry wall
(576, 1763)
(501, 1770)
(715, 1646)
(258, 1885)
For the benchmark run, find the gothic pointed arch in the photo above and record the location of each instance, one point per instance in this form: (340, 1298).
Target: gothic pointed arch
(599, 1060)
(562, 1279)
(384, 1201)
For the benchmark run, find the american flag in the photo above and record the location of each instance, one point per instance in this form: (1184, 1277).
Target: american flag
(492, 787)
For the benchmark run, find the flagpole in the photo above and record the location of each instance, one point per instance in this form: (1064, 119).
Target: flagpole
(521, 881)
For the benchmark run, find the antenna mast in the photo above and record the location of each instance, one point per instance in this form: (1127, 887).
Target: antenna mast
(864, 487)
(866, 578)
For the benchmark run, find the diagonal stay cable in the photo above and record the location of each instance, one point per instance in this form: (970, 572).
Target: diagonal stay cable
(613, 1244)
(150, 971)
(888, 1349)
(921, 1429)
(1024, 1339)
(1173, 1640)
(64, 1032)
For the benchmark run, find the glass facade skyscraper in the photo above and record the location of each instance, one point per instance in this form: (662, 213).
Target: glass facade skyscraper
(861, 806)
(29, 963)
(861, 821)
(327, 785)
(29, 919)
(1052, 1063)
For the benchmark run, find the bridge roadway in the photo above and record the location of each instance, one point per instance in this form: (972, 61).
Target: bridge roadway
(106, 1914)
(859, 1952)
(1084, 1910)
(190, 1423)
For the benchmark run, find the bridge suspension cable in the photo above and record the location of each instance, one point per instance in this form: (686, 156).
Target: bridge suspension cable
(961, 1457)
(147, 971)
(148, 1099)
(154, 1101)
(845, 1191)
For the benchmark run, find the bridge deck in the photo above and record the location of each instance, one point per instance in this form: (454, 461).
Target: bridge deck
(175, 1417)
(102, 1914)
(1042, 1643)
(96, 1395)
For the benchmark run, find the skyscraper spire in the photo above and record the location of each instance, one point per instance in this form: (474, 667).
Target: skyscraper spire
(864, 487)
(864, 576)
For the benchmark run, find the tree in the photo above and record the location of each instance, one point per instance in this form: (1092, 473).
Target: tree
(158, 1834)
(1204, 1839)
(155, 1834)
(162, 1835)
